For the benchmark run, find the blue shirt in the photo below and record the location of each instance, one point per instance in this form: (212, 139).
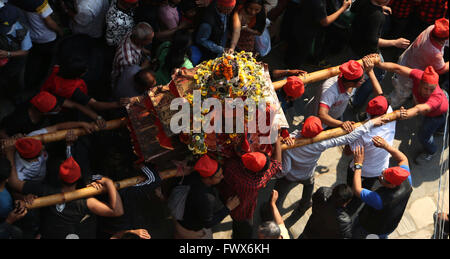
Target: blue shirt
(6, 203)
(373, 199)
(204, 32)
(26, 42)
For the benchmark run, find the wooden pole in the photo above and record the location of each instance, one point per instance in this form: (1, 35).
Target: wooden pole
(319, 75)
(334, 133)
(61, 134)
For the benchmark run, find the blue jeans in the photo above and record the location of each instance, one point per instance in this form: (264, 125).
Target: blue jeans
(364, 91)
(429, 126)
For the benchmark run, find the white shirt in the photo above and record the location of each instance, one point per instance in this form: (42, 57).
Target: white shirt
(375, 159)
(300, 163)
(422, 53)
(35, 170)
(90, 18)
(39, 32)
(335, 98)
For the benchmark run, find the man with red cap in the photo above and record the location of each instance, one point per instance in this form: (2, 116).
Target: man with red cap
(299, 163)
(75, 219)
(246, 176)
(200, 214)
(331, 101)
(426, 50)
(383, 208)
(31, 159)
(212, 31)
(374, 158)
(429, 99)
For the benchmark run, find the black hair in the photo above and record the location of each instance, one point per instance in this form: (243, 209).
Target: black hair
(260, 2)
(5, 169)
(352, 81)
(187, 5)
(178, 50)
(72, 68)
(342, 194)
(141, 81)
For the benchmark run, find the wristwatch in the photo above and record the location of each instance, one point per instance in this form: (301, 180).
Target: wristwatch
(99, 117)
(358, 166)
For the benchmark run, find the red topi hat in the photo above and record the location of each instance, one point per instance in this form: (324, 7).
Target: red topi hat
(430, 76)
(254, 161)
(311, 127)
(44, 101)
(69, 171)
(395, 175)
(206, 166)
(440, 29)
(351, 70)
(226, 3)
(377, 106)
(28, 147)
(284, 133)
(294, 87)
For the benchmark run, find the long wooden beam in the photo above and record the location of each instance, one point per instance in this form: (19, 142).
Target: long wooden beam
(334, 133)
(319, 75)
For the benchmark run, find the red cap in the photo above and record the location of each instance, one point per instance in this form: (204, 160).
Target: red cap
(440, 29)
(226, 3)
(44, 101)
(311, 127)
(254, 161)
(28, 147)
(294, 87)
(69, 171)
(377, 106)
(284, 133)
(395, 175)
(430, 76)
(351, 70)
(206, 166)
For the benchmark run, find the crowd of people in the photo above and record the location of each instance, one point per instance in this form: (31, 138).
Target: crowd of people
(68, 64)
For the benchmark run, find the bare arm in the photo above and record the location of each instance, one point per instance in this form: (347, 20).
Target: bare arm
(236, 30)
(376, 85)
(396, 68)
(114, 208)
(84, 109)
(400, 43)
(13, 181)
(414, 111)
(396, 154)
(333, 17)
(444, 70)
(277, 153)
(275, 212)
(327, 119)
(101, 106)
(52, 25)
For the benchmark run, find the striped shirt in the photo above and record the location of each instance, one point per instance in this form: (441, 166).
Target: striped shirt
(127, 54)
(245, 184)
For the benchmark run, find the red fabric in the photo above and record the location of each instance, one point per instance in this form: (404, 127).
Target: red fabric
(246, 185)
(438, 102)
(284, 133)
(431, 10)
(3, 61)
(245, 147)
(324, 105)
(206, 166)
(226, 3)
(441, 28)
(395, 175)
(312, 127)
(69, 171)
(430, 76)
(254, 161)
(163, 139)
(351, 70)
(294, 87)
(63, 87)
(377, 106)
(44, 101)
(28, 147)
(402, 8)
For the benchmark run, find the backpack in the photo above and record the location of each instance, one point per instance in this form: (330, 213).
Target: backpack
(14, 43)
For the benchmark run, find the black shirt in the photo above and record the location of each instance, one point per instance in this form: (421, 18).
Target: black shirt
(307, 21)
(203, 209)
(67, 220)
(20, 122)
(366, 28)
(79, 97)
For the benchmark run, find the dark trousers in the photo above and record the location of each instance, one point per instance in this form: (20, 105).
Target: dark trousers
(283, 186)
(38, 64)
(429, 126)
(367, 183)
(243, 229)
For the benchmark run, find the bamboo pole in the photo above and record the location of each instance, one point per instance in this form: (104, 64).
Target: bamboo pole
(334, 133)
(61, 134)
(320, 75)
